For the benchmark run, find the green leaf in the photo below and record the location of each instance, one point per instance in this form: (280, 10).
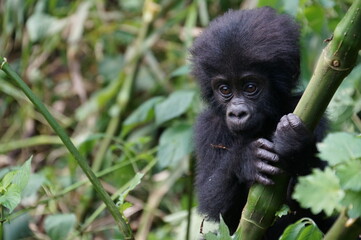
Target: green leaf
(12, 185)
(352, 201)
(340, 147)
(175, 105)
(58, 226)
(223, 230)
(303, 229)
(7, 180)
(125, 206)
(285, 209)
(34, 184)
(319, 191)
(11, 198)
(144, 112)
(135, 181)
(340, 108)
(22, 175)
(174, 144)
(349, 175)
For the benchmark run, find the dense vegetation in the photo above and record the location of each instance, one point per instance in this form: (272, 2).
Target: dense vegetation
(115, 75)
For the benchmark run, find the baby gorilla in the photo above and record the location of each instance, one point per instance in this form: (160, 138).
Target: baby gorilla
(247, 64)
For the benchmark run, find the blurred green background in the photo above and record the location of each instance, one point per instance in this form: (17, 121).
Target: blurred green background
(115, 74)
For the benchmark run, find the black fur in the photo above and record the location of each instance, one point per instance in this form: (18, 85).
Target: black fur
(240, 135)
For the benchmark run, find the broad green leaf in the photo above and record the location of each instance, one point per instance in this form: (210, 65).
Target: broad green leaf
(340, 147)
(304, 228)
(22, 175)
(11, 198)
(12, 185)
(144, 112)
(7, 180)
(319, 191)
(349, 175)
(223, 230)
(34, 184)
(58, 226)
(341, 107)
(175, 105)
(175, 143)
(311, 232)
(352, 201)
(18, 228)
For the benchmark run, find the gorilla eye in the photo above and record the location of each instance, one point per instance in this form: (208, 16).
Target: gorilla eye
(225, 90)
(250, 88)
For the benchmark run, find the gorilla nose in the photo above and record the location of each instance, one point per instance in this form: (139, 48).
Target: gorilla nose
(238, 114)
(238, 117)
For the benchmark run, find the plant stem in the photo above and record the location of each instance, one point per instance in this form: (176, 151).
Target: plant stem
(1, 223)
(28, 142)
(342, 229)
(101, 208)
(122, 225)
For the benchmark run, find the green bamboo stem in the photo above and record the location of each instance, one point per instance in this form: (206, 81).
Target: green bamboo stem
(334, 64)
(122, 225)
(344, 228)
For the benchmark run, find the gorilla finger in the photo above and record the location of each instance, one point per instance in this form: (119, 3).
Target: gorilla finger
(296, 123)
(265, 144)
(263, 180)
(267, 168)
(283, 125)
(267, 155)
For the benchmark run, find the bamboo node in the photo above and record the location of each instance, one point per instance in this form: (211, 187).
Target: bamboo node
(336, 63)
(3, 62)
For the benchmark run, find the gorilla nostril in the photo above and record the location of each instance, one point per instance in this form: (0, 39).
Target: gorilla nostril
(239, 115)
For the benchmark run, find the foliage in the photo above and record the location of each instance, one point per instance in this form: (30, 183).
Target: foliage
(119, 84)
(303, 229)
(12, 185)
(339, 185)
(223, 232)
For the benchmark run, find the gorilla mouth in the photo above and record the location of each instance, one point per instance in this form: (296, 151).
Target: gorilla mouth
(238, 127)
